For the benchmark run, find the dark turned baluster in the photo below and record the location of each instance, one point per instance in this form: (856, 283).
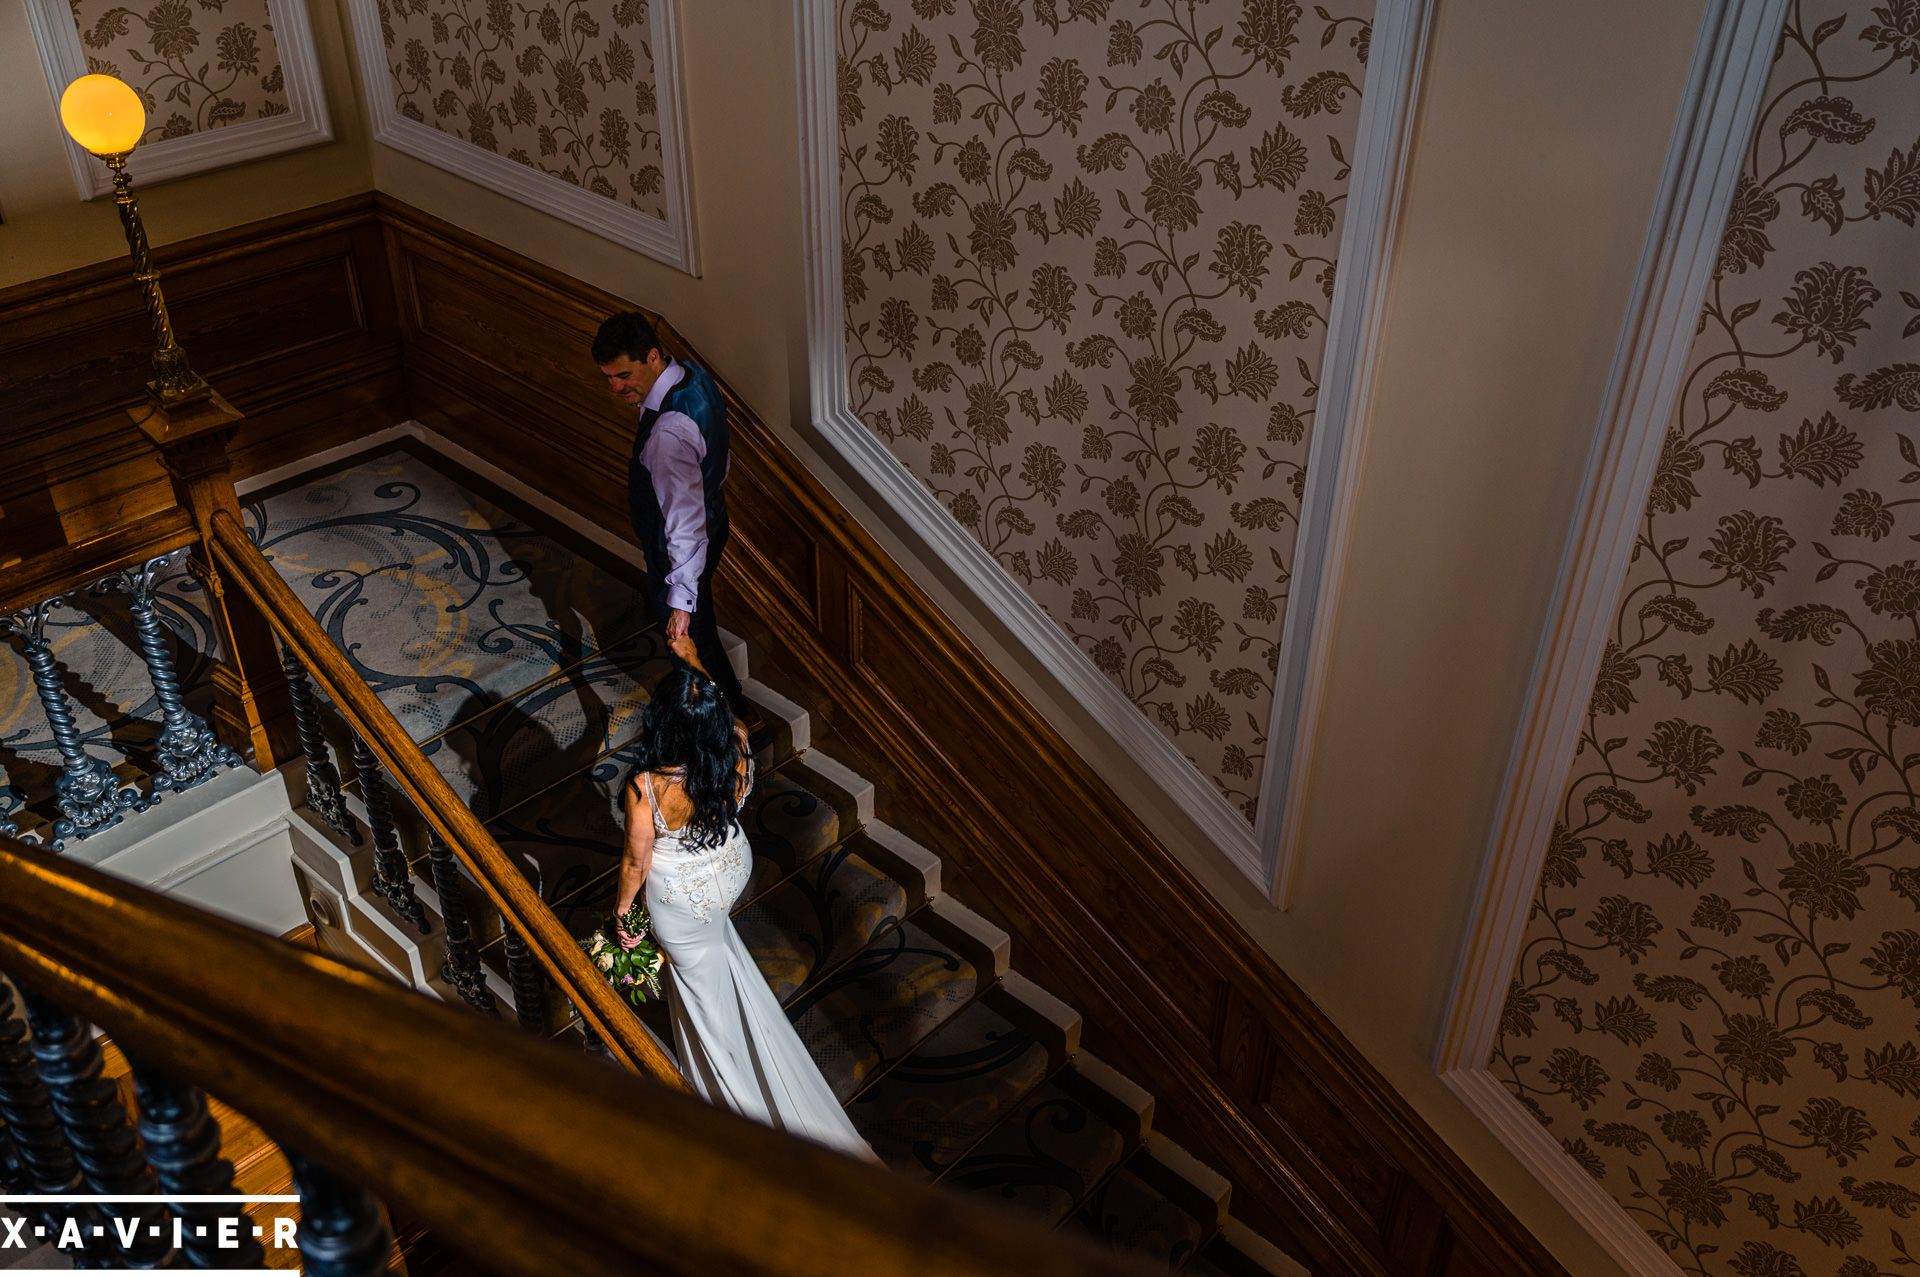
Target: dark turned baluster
(324, 798)
(90, 797)
(390, 874)
(13, 1171)
(462, 966)
(44, 1160)
(88, 1106)
(528, 980)
(342, 1232)
(9, 803)
(183, 1148)
(189, 751)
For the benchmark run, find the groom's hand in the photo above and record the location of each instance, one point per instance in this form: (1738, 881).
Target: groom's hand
(677, 624)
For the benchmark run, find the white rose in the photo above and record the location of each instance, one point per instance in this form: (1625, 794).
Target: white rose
(604, 962)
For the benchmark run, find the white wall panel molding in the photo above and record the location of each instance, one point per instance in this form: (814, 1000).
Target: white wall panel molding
(669, 239)
(1725, 87)
(305, 123)
(1263, 853)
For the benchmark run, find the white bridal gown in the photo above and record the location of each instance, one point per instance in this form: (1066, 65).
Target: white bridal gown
(735, 1044)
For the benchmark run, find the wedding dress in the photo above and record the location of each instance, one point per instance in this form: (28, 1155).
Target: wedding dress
(735, 1044)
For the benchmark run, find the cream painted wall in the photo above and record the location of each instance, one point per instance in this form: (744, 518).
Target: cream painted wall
(44, 228)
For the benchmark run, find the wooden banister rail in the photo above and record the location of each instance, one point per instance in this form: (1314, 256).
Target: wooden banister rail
(241, 562)
(531, 1160)
(41, 577)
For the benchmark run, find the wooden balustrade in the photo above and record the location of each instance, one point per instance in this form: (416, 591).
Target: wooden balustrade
(532, 1160)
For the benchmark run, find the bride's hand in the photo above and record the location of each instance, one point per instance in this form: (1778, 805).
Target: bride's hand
(683, 648)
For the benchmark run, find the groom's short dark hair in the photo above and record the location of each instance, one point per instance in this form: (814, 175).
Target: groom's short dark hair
(625, 332)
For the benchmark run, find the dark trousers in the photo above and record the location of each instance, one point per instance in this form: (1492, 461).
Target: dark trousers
(702, 628)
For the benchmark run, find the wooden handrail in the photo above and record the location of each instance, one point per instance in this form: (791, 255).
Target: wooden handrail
(532, 1160)
(625, 1037)
(60, 571)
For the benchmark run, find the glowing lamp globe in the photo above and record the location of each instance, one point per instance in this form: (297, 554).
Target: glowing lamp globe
(103, 115)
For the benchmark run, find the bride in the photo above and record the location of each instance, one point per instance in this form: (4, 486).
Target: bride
(686, 849)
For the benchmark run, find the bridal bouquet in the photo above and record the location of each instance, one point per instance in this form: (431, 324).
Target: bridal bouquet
(634, 973)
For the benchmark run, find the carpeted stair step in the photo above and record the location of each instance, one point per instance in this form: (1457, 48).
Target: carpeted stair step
(1196, 1187)
(833, 906)
(1050, 1153)
(785, 730)
(932, 1108)
(1137, 1211)
(820, 917)
(809, 806)
(878, 1006)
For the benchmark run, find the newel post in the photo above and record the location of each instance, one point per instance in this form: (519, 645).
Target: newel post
(251, 712)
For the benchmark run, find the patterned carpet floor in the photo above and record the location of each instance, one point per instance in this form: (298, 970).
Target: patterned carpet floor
(520, 666)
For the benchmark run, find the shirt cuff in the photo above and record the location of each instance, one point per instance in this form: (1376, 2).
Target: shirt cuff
(681, 599)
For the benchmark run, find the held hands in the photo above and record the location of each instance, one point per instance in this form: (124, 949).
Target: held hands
(681, 644)
(678, 623)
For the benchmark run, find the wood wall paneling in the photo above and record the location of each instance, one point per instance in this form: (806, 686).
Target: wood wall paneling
(784, 551)
(292, 319)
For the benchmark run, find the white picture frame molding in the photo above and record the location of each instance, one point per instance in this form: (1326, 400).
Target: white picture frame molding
(1262, 852)
(1726, 84)
(1385, 134)
(306, 122)
(670, 239)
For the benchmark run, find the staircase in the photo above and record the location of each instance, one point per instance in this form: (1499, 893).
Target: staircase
(520, 660)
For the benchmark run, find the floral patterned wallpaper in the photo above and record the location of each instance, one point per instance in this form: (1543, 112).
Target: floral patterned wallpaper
(566, 87)
(1718, 1006)
(197, 64)
(1088, 260)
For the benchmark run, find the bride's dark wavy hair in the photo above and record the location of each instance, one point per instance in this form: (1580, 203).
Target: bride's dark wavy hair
(687, 731)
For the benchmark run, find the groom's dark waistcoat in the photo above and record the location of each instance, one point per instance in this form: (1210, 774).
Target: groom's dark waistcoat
(699, 399)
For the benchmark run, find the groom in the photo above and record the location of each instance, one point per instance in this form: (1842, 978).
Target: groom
(675, 484)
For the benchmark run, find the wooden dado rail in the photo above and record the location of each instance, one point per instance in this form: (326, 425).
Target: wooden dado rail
(1247, 1070)
(530, 1159)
